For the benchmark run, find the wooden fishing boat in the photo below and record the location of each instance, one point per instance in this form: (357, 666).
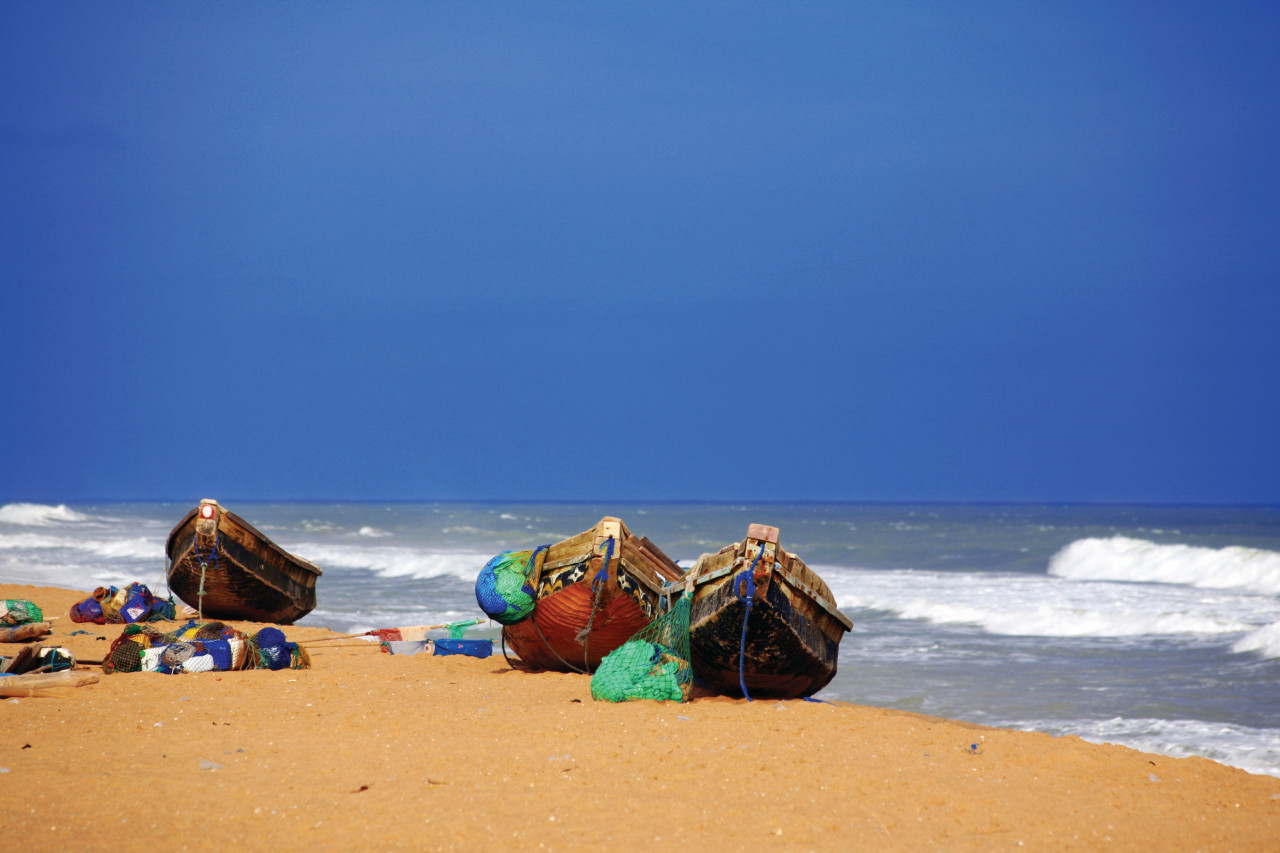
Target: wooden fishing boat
(222, 566)
(793, 627)
(593, 591)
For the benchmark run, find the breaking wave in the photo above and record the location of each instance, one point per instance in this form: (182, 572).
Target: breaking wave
(38, 515)
(1044, 606)
(1137, 560)
(136, 548)
(1265, 641)
(394, 561)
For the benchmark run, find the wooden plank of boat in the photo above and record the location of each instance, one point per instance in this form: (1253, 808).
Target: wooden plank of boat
(794, 629)
(593, 592)
(225, 568)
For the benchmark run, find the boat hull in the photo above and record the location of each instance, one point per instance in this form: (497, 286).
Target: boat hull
(590, 599)
(786, 656)
(548, 638)
(244, 575)
(792, 642)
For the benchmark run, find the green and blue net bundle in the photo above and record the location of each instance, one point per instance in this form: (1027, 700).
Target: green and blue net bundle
(503, 590)
(653, 664)
(19, 611)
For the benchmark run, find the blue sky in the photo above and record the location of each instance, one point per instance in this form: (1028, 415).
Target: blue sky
(685, 251)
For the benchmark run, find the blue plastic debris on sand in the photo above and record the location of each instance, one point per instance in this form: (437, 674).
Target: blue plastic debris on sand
(473, 648)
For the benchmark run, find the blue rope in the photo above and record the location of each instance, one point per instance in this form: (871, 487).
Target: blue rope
(533, 558)
(749, 587)
(533, 561)
(603, 574)
(213, 554)
(597, 587)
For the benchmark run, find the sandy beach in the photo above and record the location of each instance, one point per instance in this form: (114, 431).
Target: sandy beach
(370, 751)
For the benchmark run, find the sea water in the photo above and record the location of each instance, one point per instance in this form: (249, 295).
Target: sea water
(1152, 627)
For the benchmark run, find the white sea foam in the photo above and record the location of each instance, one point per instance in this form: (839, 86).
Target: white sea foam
(393, 561)
(61, 547)
(77, 570)
(1265, 641)
(38, 515)
(1254, 750)
(1137, 560)
(14, 541)
(135, 548)
(1044, 606)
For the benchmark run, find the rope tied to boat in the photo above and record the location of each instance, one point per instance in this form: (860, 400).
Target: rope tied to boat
(745, 589)
(597, 588)
(547, 644)
(204, 564)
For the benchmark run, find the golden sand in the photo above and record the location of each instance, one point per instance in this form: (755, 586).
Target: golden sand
(370, 751)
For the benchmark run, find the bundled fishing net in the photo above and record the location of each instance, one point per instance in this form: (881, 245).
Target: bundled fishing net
(18, 611)
(115, 605)
(654, 664)
(197, 647)
(502, 588)
(270, 650)
(141, 648)
(196, 656)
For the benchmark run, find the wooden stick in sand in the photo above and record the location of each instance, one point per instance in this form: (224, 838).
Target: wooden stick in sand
(28, 631)
(44, 684)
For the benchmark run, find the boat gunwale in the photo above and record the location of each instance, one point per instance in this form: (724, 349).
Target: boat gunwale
(301, 562)
(698, 576)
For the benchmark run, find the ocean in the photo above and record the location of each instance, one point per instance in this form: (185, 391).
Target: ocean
(1153, 627)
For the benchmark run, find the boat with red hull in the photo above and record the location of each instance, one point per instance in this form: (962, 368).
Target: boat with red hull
(593, 591)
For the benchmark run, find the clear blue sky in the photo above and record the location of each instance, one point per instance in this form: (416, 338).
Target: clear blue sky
(549, 250)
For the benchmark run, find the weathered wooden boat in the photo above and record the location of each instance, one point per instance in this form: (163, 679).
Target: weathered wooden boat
(793, 629)
(593, 591)
(226, 569)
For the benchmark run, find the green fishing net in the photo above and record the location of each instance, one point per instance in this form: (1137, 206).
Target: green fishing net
(654, 664)
(19, 611)
(458, 630)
